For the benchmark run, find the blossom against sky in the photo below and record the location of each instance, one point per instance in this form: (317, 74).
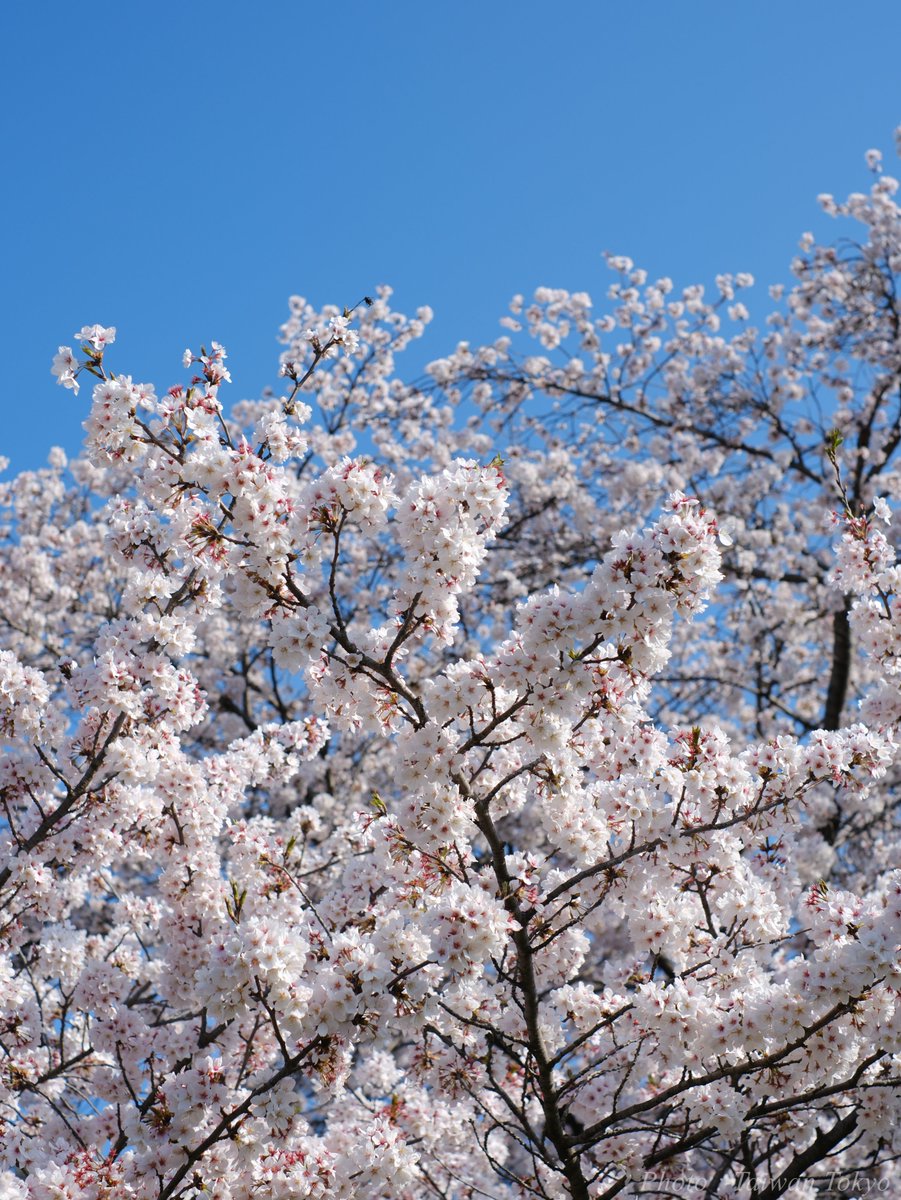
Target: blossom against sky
(179, 171)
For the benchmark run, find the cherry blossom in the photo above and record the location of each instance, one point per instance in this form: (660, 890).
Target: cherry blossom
(480, 786)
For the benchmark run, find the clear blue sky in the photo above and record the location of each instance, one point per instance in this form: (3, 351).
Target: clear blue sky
(178, 169)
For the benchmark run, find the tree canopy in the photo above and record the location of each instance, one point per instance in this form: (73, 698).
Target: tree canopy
(479, 786)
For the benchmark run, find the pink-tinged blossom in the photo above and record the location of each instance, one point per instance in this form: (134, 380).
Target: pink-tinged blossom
(96, 336)
(65, 367)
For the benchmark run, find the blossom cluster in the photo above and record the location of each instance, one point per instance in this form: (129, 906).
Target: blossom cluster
(483, 786)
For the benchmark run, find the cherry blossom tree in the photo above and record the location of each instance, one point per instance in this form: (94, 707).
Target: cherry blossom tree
(485, 786)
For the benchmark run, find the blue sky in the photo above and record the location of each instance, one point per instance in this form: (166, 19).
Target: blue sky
(178, 169)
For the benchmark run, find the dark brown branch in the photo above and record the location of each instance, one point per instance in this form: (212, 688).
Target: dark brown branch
(822, 1145)
(841, 669)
